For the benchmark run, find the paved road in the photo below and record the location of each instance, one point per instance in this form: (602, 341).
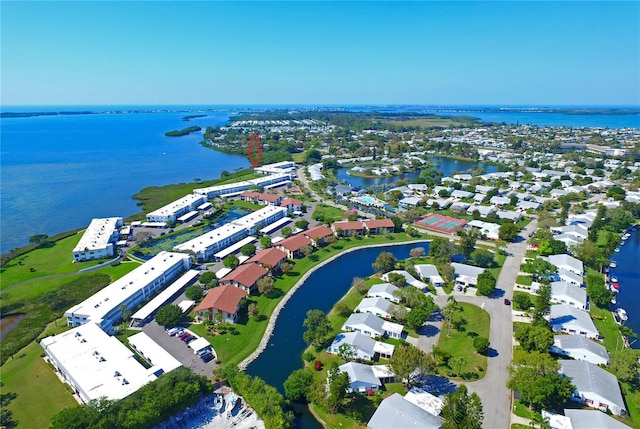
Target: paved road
(492, 389)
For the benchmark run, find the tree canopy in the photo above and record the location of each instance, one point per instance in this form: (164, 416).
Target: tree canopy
(318, 328)
(486, 283)
(384, 262)
(169, 315)
(462, 410)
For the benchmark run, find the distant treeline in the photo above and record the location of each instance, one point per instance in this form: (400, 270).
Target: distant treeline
(182, 132)
(189, 117)
(34, 114)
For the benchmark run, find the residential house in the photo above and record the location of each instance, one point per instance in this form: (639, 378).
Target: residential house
(486, 229)
(379, 226)
(595, 387)
(372, 326)
(459, 207)
(383, 290)
(270, 258)
(509, 214)
(349, 228)
(570, 277)
(565, 318)
(592, 419)
(378, 306)
(361, 377)
(422, 398)
(580, 348)
(499, 201)
(461, 195)
(466, 275)
(291, 204)
(318, 235)
(362, 347)
(269, 199)
(293, 245)
(408, 277)
(223, 300)
(483, 211)
(567, 262)
(395, 412)
(569, 293)
(250, 196)
(429, 273)
(408, 202)
(245, 277)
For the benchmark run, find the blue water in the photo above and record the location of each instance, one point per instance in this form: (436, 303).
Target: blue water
(447, 166)
(321, 291)
(59, 172)
(629, 279)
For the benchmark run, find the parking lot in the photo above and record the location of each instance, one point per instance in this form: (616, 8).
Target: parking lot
(179, 349)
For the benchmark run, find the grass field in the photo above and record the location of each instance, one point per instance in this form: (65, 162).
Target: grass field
(327, 214)
(460, 342)
(524, 280)
(432, 122)
(53, 258)
(40, 394)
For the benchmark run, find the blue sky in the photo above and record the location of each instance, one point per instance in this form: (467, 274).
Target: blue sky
(510, 53)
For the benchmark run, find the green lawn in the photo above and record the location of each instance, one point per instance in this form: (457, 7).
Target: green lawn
(524, 280)
(460, 342)
(328, 214)
(607, 327)
(40, 394)
(53, 258)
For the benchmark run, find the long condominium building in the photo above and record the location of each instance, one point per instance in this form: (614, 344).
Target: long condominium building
(206, 245)
(96, 365)
(98, 239)
(238, 187)
(277, 168)
(175, 209)
(105, 308)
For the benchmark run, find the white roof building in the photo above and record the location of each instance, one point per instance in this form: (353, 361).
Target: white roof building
(410, 279)
(567, 262)
(98, 239)
(466, 275)
(173, 210)
(592, 419)
(429, 273)
(361, 377)
(595, 387)
(96, 364)
(378, 306)
(103, 308)
(580, 348)
(239, 187)
(569, 293)
(488, 229)
(383, 290)
(284, 167)
(208, 244)
(362, 346)
(372, 326)
(425, 400)
(395, 412)
(565, 318)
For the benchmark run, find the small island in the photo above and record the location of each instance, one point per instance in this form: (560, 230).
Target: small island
(182, 132)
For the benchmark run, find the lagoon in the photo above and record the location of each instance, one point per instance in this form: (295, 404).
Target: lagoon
(321, 291)
(447, 166)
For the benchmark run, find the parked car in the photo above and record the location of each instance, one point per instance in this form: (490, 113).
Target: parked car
(184, 335)
(203, 351)
(207, 357)
(187, 338)
(507, 302)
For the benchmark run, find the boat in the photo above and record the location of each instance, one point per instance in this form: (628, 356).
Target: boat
(622, 314)
(613, 300)
(617, 250)
(233, 398)
(622, 243)
(218, 403)
(615, 285)
(614, 279)
(613, 264)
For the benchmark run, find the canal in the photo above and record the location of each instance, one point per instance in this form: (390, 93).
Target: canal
(628, 274)
(321, 291)
(446, 165)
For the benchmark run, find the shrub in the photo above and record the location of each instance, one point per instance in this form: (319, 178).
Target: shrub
(317, 365)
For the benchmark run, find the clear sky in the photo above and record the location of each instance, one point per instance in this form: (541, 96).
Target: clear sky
(510, 53)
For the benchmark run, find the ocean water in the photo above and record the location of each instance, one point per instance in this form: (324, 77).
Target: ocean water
(57, 173)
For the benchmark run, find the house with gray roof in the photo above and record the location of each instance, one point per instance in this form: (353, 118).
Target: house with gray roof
(594, 386)
(361, 377)
(580, 348)
(484, 211)
(395, 412)
(484, 189)
(466, 275)
(372, 326)
(429, 272)
(383, 290)
(570, 277)
(592, 419)
(569, 293)
(378, 306)
(499, 201)
(461, 195)
(408, 277)
(509, 214)
(527, 205)
(363, 347)
(409, 202)
(568, 319)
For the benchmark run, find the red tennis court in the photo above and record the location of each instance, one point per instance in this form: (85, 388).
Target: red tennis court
(441, 223)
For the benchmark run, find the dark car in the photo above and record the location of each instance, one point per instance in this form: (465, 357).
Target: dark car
(206, 357)
(183, 335)
(507, 302)
(189, 339)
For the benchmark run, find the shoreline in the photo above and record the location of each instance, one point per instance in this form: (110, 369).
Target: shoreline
(276, 312)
